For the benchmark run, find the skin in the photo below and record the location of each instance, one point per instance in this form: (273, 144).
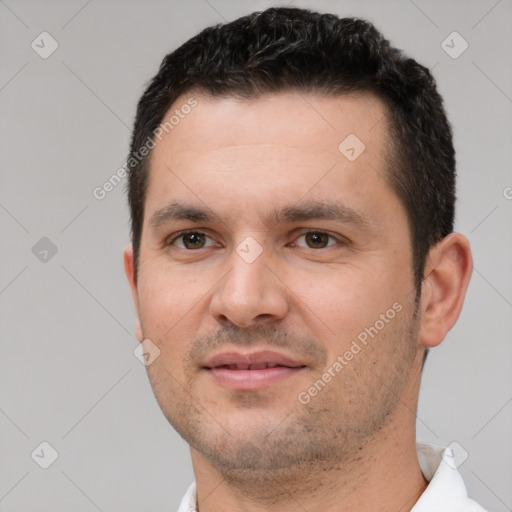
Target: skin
(352, 446)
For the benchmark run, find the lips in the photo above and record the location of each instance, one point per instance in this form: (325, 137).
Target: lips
(251, 371)
(259, 366)
(251, 361)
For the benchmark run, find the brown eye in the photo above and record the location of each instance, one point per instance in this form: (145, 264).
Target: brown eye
(192, 240)
(317, 239)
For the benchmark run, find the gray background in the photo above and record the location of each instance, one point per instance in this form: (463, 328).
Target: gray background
(68, 373)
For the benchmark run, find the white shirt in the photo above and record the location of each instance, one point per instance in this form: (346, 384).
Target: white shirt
(445, 492)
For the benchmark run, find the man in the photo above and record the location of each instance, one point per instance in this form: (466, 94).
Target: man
(292, 190)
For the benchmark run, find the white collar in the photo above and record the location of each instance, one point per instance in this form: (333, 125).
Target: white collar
(446, 490)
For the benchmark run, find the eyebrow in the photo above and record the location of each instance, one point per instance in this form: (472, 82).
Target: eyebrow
(315, 210)
(312, 210)
(176, 211)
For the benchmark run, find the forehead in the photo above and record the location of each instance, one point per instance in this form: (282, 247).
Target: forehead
(279, 146)
(300, 117)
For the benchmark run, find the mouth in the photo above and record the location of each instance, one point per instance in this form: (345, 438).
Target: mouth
(251, 371)
(259, 366)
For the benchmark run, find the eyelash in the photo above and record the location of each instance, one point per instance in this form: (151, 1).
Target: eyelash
(171, 241)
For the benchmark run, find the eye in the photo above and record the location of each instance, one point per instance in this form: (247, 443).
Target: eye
(191, 240)
(315, 240)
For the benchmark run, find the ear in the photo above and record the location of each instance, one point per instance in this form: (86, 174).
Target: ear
(448, 269)
(129, 268)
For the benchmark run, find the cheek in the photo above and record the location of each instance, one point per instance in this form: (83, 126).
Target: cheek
(343, 302)
(168, 300)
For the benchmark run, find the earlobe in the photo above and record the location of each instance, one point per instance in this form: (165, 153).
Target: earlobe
(129, 268)
(447, 273)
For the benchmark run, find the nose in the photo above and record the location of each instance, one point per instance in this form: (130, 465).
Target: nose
(250, 293)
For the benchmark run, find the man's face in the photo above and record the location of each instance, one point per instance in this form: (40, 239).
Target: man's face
(265, 244)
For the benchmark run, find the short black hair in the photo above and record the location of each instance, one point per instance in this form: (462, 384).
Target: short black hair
(290, 49)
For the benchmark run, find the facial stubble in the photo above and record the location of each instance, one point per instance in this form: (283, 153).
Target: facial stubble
(292, 439)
